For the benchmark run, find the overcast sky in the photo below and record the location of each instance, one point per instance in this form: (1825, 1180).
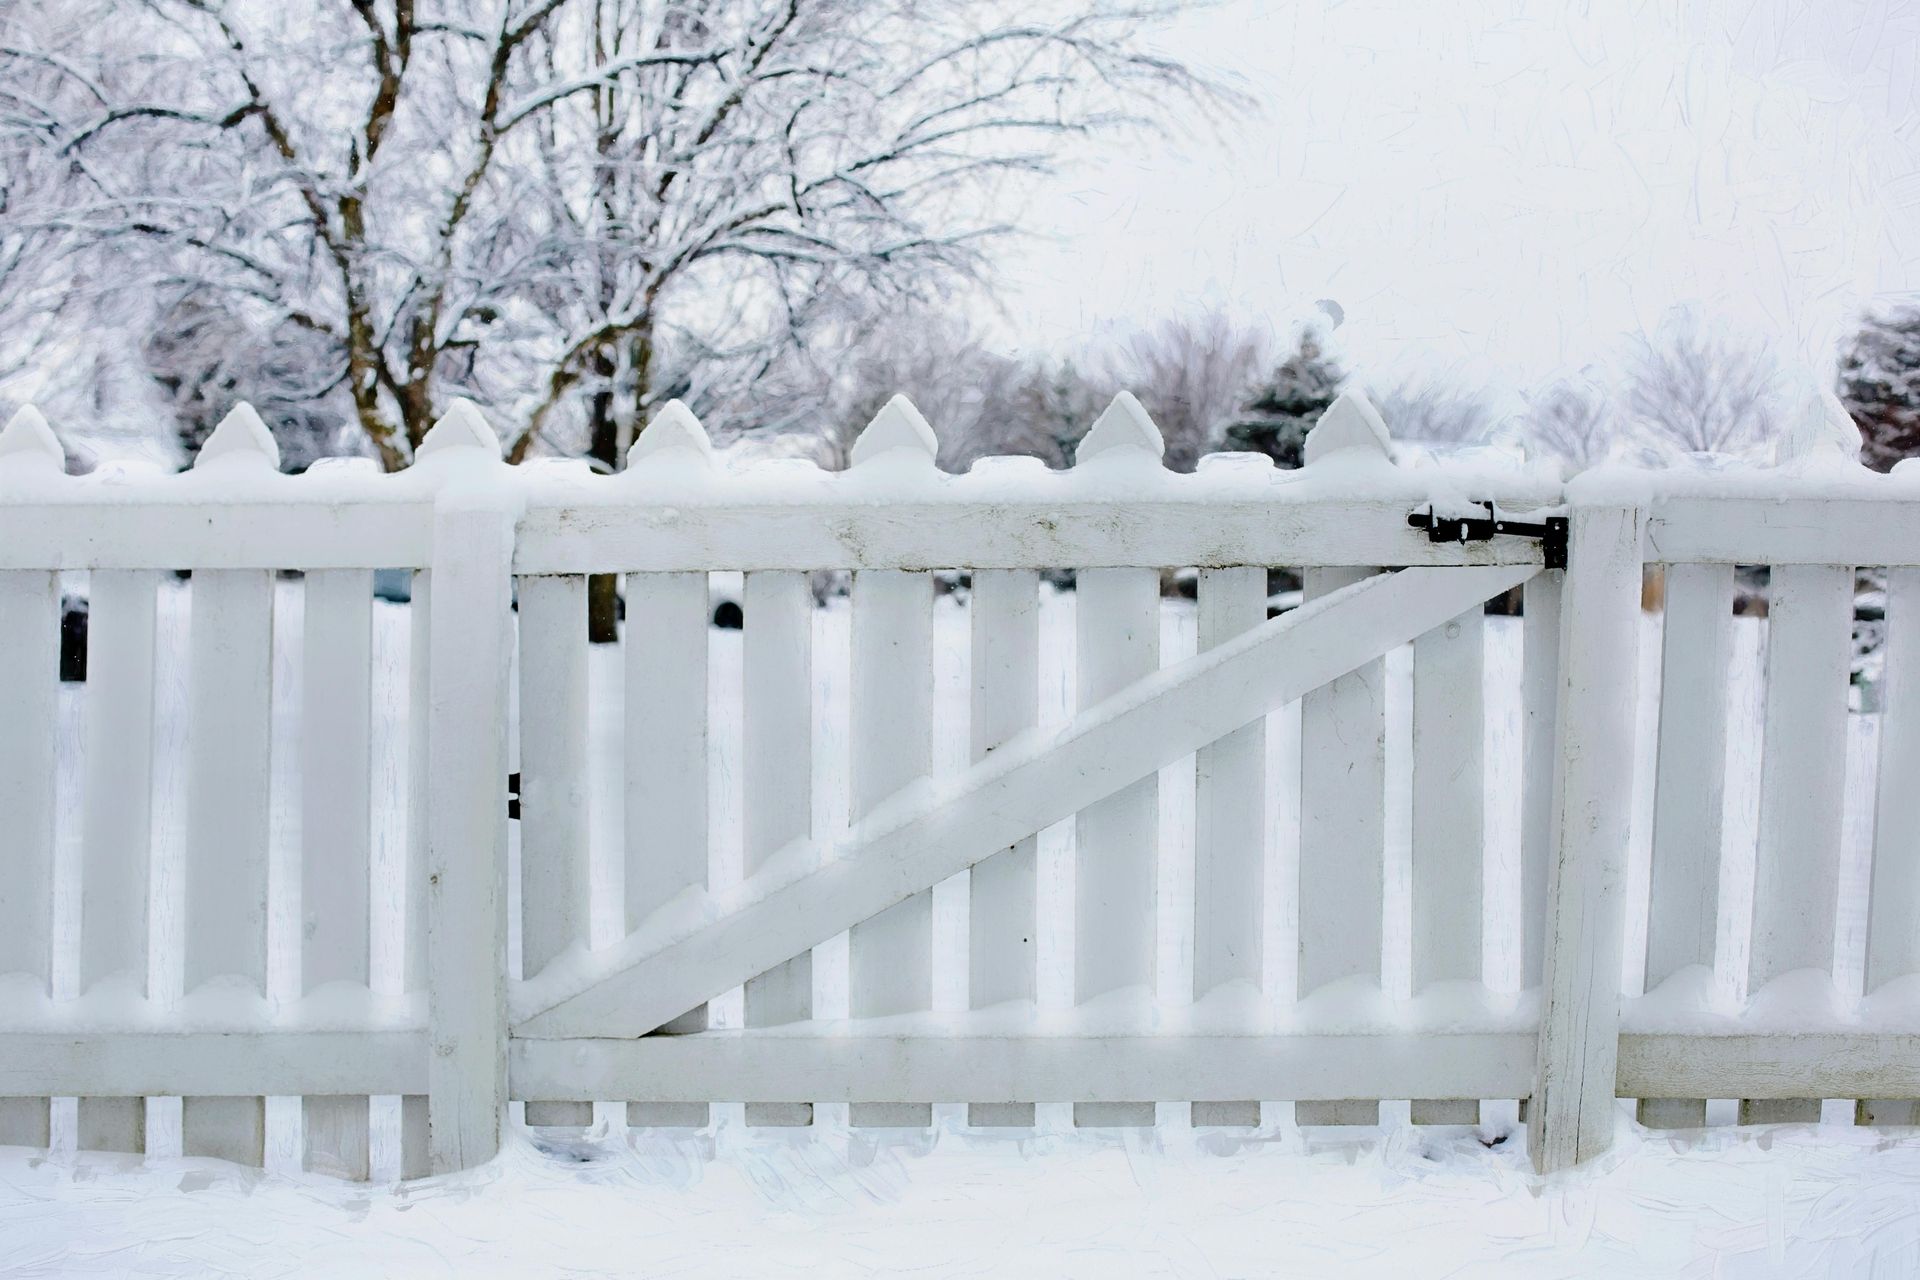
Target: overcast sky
(1504, 188)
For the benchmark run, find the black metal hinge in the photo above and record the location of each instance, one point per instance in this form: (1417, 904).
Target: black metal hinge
(1552, 532)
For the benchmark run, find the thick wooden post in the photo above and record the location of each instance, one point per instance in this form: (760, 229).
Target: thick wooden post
(471, 639)
(1572, 1112)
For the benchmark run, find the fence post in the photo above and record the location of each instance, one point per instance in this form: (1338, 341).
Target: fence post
(470, 634)
(1571, 1115)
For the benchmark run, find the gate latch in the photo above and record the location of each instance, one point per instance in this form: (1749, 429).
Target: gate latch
(1552, 532)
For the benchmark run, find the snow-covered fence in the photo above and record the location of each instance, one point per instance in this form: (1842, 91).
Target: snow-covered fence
(138, 973)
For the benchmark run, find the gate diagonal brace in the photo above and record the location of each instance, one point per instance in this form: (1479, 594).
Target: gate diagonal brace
(1551, 532)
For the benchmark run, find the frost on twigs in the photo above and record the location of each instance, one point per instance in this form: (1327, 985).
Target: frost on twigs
(240, 437)
(897, 429)
(1123, 429)
(461, 427)
(674, 432)
(28, 440)
(1350, 422)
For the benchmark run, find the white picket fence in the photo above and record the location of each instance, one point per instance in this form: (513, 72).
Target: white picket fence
(135, 975)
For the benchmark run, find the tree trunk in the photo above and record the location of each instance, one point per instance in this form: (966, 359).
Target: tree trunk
(603, 446)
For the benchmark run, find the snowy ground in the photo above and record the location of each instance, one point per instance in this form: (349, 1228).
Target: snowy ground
(1827, 1200)
(1787, 1202)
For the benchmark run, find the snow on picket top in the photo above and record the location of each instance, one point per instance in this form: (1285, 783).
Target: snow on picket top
(28, 443)
(241, 439)
(674, 436)
(900, 435)
(1123, 431)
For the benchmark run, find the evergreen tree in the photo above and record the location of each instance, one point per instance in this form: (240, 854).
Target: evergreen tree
(1284, 407)
(1879, 383)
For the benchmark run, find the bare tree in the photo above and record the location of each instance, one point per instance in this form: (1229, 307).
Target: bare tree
(1192, 374)
(568, 209)
(1573, 419)
(1433, 409)
(1699, 390)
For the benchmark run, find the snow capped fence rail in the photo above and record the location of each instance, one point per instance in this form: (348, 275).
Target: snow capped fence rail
(140, 966)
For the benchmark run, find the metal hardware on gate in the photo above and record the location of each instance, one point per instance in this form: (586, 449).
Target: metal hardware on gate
(1551, 532)
(513, 796)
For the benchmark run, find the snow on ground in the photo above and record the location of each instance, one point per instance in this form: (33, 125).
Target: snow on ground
(1797, 1202)
(1825, 1200)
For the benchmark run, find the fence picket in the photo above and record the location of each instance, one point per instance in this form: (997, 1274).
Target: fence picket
(30, 674)
(666, 771)
(1343, 825)
(555, 909)
(230, 695)
(1540, 698)
(778, 780)
(415, 1157)
(472, 650)
(336, 819)
(1002, 912)
(116, 822)
(890, 957)
(1803, 785)
(1449, 801)
(1893, 897)
(1689, 785)
(1229, 858)
(1117, 625)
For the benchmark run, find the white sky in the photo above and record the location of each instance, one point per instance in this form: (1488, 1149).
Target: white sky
(1503, 188)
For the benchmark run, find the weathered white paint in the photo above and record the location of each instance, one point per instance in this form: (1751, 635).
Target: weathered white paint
(1893, 925)
(777, 765)
(666, 769)
(336, 828)
(1775, 1065)
(116, 817)
(213, 1064)
(1802, 786)
(414, 1145)
(30, 670)
(1689, 790)
(1343, 831)
(1028, 1069)
(1570, 1115)
(1003, 900)
(230, 696)
(1230, 827)
(1057, 524)
(29, 677)
(1117, 629)
(1449, 803)
(1540, 751)
(555, 910)
(1772, 525)
(180, 524)
(890, 956)
(466, 834)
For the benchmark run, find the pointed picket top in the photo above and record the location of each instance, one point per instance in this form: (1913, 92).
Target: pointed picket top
(674, 432)
(1823, 430)
(1350, 422)
(898, 427)
(242, 437)
(28, 439)
(462, 426)
(1123, 429)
